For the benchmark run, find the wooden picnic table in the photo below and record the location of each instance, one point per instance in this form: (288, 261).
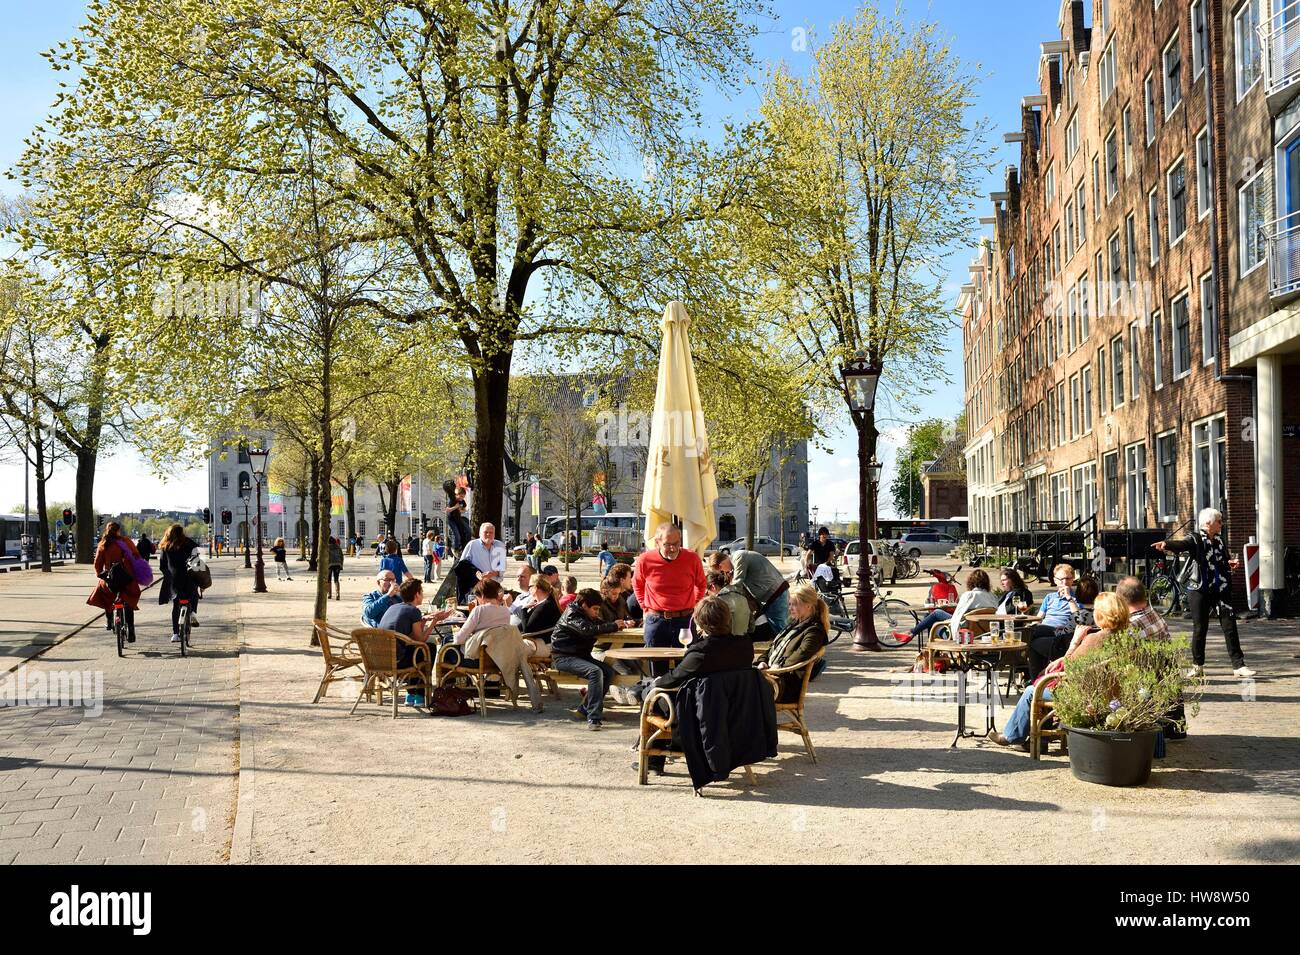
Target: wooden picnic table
(985, 656)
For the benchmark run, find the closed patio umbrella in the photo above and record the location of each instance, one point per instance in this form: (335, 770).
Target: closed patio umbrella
(679, 467)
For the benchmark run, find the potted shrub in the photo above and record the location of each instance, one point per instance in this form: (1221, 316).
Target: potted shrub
(1113, 701)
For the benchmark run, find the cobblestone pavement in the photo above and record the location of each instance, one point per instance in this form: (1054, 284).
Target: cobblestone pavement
(149, 776)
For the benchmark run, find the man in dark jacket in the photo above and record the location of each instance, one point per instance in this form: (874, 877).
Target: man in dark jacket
(572, 641)
(1209, 588)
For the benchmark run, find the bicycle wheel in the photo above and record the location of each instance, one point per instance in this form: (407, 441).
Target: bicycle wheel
(185, 630)
(890, 615)
(913, 568)
(1162, 594)
(119, 627)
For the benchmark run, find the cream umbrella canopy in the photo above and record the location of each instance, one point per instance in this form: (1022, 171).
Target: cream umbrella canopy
(679, 467)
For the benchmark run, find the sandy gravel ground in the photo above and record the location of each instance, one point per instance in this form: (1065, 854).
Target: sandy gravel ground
(320, 785)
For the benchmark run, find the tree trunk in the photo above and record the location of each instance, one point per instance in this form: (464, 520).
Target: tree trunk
(302, 522)
(43, 518)
(84, 498)
(323, 502)
(491, 397)
(751, 521)
(317, 473)
(864, 637)
(351, 488)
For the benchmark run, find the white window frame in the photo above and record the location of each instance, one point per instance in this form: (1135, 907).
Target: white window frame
(1204, 180)
(1135, 479)
(1131, 243)
(1076, 416)
(1246, 35)
(1126, 134)
(1157, 351)
(1149, 106)
(1196, 15)
(1107, 73)
(1209, 319)
(1117, 373)
(1164, 75)
(1153, 223)
(1112, 185)
(1214, 477)
(1085, 397)
(1106, 502)
(1163, 511)
(1185, 369)
(1243, 221)
(1169, 199)
(1135, 358)
(1072, 137)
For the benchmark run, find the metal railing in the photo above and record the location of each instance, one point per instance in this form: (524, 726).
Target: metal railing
(1283, 247)
(1280, 37)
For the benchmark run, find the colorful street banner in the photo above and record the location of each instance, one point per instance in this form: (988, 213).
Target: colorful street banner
(404, 496)
(598, 493)
(336, 505)
(535, 494)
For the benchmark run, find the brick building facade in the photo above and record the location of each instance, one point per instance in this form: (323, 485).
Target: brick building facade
(1111, 368)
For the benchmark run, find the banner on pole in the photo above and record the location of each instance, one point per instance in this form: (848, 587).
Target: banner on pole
(404, 496)
(535, 495)
(336, 505)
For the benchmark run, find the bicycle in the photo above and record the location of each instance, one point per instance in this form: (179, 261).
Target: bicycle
(890, 614)
(184, 626)
(119, 624)
(1164, 588)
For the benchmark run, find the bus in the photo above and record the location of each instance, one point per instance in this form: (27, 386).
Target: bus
(623, 530)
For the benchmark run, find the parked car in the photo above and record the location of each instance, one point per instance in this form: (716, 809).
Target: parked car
(879, 557)
(927, 544)
(764, 545)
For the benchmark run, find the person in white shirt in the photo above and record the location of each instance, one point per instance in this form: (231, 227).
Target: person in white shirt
(487, 554)
(977, 597)
(524, 580)
(426, 550)
(488, 629)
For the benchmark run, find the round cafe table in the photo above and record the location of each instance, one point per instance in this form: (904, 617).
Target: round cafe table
(982, 657)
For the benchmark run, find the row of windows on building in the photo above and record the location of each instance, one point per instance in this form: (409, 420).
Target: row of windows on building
(1072, 494)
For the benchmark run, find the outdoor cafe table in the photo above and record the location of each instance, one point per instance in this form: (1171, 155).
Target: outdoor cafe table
(645, 655)
(984, 657)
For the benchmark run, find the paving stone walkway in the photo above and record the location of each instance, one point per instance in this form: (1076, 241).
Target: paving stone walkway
(148, 772)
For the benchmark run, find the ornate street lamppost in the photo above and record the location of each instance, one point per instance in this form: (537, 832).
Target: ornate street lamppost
(258, 458)
(861, 377)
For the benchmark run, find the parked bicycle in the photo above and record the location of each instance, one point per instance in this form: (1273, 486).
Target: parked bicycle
(1164, 586)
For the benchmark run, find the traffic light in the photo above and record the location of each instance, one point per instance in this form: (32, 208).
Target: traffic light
(226, 517)
(68, 517)
(207, 516)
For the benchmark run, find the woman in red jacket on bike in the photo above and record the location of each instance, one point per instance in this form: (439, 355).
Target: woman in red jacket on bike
(116, 548)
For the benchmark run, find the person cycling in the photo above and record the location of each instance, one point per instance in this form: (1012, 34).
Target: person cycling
(177, 584)
(824, 551)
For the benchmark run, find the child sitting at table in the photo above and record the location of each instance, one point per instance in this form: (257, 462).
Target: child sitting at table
(570, 592)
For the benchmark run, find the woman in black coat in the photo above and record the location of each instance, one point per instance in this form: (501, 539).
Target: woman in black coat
(177, 584)
(1013, 589)
(808, 632)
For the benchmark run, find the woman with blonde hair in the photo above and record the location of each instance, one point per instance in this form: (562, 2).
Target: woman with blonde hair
(807, 632)
(1110, 615)
(281, 559)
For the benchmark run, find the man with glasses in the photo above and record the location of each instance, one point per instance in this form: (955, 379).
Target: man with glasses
(376, 603)
(1051, 638)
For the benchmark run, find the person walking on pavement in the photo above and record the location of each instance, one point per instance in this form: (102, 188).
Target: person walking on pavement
(1209, 588)
(668, 581)
(427, 551)
(336, 568)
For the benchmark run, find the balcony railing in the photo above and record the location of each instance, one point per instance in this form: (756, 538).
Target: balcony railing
(1280, 35)
(1283, 245)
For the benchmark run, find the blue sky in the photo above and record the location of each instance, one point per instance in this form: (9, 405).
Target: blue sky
(998, 38)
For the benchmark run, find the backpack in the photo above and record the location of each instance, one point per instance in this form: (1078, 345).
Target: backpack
(198, 570)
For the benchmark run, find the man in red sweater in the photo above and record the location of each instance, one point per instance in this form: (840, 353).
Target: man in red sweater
(668, 582)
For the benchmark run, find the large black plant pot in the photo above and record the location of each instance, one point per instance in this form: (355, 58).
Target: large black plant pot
(1110, 758)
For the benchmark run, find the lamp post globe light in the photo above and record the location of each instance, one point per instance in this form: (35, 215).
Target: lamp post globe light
(861, 378)
(258, 458)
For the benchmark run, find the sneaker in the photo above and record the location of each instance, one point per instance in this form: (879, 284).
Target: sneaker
(415, 699)
(903, 636)
(1195, 672)
(288, 578)
(130, 638)
(594, 725)
(1244, 672)
(176, 638)
(578, 713)
(109, 628)
(194, 621)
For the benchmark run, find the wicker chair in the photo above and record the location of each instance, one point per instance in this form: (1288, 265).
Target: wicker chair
(452, 664)
(337, 660)
(658, 728)
(1043, 726)
(379, 660)
(943, 630)
(794, 709)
